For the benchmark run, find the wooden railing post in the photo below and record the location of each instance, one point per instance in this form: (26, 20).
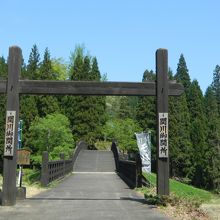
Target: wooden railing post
(62, 157)
(116, 156)
(44, 169)
(138, 170)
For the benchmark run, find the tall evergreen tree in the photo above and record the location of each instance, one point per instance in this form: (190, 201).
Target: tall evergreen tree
(146, 115)
(146, 108)
(216, 85)
(182, 74)
(213, 141)
(33, 64)
(86, 113)
(28, 107)
(47, 104)
(3, 75)
(100, 106)
(125, 110)
(198, 134)
(179, 135)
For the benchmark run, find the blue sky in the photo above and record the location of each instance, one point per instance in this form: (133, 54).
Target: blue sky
(122, 34)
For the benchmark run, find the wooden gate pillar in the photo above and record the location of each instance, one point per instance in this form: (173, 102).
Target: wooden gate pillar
(162, 122)
(11, 135)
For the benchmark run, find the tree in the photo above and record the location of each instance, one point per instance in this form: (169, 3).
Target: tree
(124, 108)
(86, 113)
(47, 104)
(197, 134)
(28, 106)
(59, 69)
(182, 74)
(3, 75)
(146, 108)
(123, 132)
(216, 85)
(146, 115)
(33, 64)
(213, 140)
(51, 133)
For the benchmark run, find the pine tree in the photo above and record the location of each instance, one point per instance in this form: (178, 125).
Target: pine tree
(216, 85)
(124, 108)
(213, 140)
(47, 104)
(182, 74)
(100, 106)
(179, 135)
(33, 64)
(146, 115)
(3, 75)
(28, 107)
(146, 108)
(86, 113)
(198, 134)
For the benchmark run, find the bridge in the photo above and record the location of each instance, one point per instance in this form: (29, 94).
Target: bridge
(94, 190)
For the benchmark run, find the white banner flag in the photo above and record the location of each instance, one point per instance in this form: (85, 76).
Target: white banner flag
(144, 145)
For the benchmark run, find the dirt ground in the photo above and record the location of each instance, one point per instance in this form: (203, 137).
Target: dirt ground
(33, 190)
(212, 209)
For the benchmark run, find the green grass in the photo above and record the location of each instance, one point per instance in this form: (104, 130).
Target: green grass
(183, 191)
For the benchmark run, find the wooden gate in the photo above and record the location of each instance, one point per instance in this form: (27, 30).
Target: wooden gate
(14, 87)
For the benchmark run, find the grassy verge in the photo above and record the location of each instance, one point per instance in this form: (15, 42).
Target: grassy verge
(184, 200)
(182, 190)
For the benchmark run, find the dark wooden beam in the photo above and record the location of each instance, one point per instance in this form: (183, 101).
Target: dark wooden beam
(91, 88)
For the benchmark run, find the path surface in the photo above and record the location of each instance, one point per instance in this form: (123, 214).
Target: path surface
(88, 194)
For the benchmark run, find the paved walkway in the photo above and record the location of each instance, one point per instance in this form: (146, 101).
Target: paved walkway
(84, 195)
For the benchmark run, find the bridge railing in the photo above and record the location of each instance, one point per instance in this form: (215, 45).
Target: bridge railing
(53, 170)
(130, 171)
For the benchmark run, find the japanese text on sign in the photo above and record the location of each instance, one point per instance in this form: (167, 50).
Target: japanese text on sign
(23, 157)
(163, 135)
(9, 133)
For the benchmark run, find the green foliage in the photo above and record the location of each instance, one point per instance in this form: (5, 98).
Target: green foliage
(213, 140)
(216, 85)
(59, 69)
(197, 134)
(146, 115)
(179, 137)
(3, 75)
(51, 134)
(127, 107)
(86, 114)
(31, 176)
(182, 74)
(103, 145)
(123, 131)
(181, 190)
(47, 104)
(33, 64)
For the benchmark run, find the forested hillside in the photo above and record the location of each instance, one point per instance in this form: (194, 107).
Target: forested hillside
(194, 118)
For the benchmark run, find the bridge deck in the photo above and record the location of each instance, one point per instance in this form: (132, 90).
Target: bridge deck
(87, 194)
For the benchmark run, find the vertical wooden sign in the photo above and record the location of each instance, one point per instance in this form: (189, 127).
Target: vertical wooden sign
(162, 122)
(163, 135)
(9, 133)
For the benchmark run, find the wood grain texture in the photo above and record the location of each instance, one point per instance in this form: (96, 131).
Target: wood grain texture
(95, 88)
(9, 171)
(162, 107)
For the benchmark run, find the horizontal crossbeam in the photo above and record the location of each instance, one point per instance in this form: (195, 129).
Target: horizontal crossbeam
(46, 87)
